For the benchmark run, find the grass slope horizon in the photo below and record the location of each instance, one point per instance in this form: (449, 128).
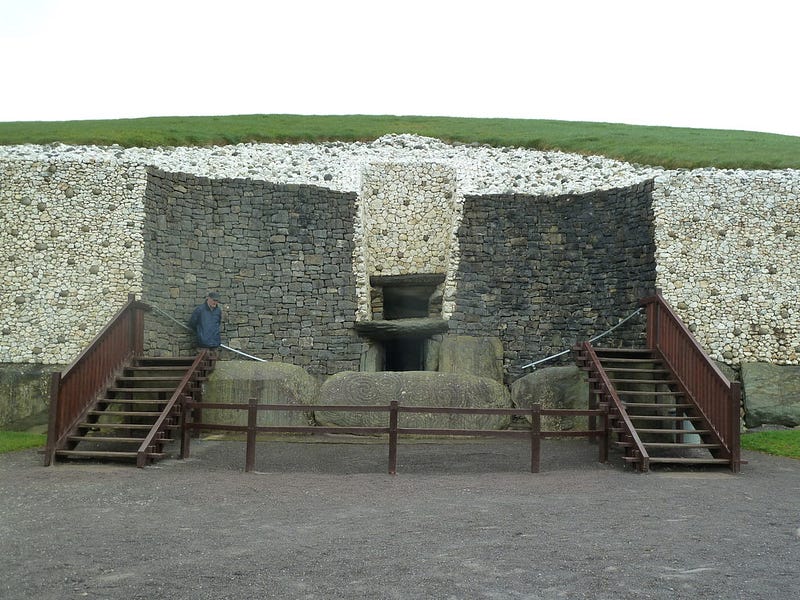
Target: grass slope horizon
(669, 147)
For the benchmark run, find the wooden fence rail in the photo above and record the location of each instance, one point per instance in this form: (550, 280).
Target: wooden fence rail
(393, 430)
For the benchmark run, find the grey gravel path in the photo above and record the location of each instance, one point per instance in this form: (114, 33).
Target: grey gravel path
(461, 520)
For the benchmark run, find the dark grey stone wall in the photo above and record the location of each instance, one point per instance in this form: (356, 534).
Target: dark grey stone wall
(541, 273)
(537, 272)
(280, 256)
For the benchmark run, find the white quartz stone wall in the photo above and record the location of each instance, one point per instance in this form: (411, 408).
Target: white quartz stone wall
(406, 223)
(71, 230)
(727, 260)
(71, 251)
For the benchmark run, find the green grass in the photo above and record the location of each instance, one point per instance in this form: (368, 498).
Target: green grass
(18, 440)
(780, 443)
(671, 147)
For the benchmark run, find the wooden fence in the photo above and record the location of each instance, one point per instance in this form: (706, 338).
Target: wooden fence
(393, 429)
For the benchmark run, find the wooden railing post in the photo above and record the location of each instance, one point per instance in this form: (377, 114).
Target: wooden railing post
(735, 443)
(252, 420)
(605, 436)
(185, 433)
(536, 437)
(132, 323)
(52, 423)
(393, 437)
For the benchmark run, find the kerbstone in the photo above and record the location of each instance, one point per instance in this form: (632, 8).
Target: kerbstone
(237, 381)
(554, 387)
(772, 394)
(413, 388)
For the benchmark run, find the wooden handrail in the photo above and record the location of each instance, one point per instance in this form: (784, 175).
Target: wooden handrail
(716, 397)
(73, 390)
(609, 391)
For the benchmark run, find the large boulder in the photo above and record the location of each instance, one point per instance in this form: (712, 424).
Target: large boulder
(413, 388)
(237, 381)
(554, 387)
(480, 356)
(771, 394)
(24, 395)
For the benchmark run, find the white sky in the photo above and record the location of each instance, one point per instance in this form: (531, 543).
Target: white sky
(695, 63)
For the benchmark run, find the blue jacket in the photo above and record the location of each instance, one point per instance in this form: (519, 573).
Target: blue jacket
(205, 323)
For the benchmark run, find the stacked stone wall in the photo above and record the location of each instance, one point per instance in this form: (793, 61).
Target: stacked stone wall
(280, 256)
(543, 272)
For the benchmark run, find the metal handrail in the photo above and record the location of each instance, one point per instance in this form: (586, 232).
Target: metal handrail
(187, 328)
(594, 339)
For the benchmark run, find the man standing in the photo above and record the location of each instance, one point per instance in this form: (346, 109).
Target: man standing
(205, 322)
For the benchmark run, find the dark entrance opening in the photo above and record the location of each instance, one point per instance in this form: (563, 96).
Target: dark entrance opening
(404, 354)
(411, 297)
(406, 302)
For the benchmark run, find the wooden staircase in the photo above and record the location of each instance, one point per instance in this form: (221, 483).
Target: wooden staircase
(135, 408)
(112, 402)
(668, 402)
(654, 421)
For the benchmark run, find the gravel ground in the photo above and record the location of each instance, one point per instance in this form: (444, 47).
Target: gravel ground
(462, 519)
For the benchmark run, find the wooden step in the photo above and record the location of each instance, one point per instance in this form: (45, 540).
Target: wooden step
(105, 439)
(682, 461)
(647, 393)
(126, 413)
(159, 368)
(630, 370)
(656, 405)
(142, 361)
(678, 445)
(666, 431)
(604, 351)
(118, 426)
(135, 378)
(142, 390)
(662, 418)
(614, 359)
(106, 454)
(143, 401)
(643, 381)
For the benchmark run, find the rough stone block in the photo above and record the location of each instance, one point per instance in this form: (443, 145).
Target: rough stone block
(771, 393)
(24, 395)
(237, 381)
(479, 356)
(554, 387)
(413, 388)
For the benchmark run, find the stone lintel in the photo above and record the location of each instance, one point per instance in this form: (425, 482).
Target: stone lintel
(413, 279)
(401, 328)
